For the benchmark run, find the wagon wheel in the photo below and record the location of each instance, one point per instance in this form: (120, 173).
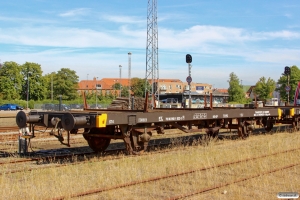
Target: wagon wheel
(97, 144)
(269, 127)
(267, 124)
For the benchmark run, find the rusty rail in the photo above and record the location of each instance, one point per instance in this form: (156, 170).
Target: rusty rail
(9, 128)
(232, 182)
(99, 190)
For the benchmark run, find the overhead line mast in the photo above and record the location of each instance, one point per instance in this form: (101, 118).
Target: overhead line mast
(152, 70)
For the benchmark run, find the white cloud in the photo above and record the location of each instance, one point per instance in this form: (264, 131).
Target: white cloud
(75, 12)
(211, 42)
(284, 56)
(196, 37)
(124, 19)
(63, 37)
(284, 34)
(199, 35)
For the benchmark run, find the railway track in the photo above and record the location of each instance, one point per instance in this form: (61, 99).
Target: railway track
(102, 191)
(81, 158)
(45, 156)
(4, 129)
(232, 182)
(154, 180)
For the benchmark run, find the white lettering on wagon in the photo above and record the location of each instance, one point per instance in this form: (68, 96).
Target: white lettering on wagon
(175, 118)
(111, 121)
(142, 119)
(160, 118)
(225, 115)
(262, 113)
(200, 116)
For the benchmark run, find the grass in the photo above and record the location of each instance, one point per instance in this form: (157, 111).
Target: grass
(65, 181)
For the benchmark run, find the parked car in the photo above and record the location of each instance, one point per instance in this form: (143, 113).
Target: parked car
(19, 107)
(8, 106)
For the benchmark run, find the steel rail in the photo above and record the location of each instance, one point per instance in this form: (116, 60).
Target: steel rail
(107, 153)
(232, 182)
(99, 190)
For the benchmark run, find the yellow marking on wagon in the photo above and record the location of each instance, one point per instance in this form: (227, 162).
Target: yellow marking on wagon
(279, 113)
(101, 120)
(292, 112)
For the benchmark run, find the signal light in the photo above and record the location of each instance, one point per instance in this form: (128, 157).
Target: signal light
(188, 58)
(287, 70)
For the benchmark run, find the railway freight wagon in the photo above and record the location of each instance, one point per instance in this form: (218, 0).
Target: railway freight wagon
(134, 126)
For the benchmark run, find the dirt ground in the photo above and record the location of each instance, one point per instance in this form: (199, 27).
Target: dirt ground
(8, 118)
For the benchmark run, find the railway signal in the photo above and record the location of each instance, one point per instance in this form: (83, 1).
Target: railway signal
(189, 79)
(287, 70)
(188, 58)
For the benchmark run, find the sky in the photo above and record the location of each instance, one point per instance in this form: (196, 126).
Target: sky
(252, 38)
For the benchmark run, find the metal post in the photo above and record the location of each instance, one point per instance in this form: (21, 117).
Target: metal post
(132, 102)
(120, 71)
(96, 92)
(20, 144)
(114, 88)
(288, 92)
(129, 77)
(52, 87)
(190, 74)
(87, 81)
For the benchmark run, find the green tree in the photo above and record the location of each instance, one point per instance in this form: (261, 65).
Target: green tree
(264, 88)
(116, 86)
(10, 81)
(293, 82)
(124, 92)
(235, 90)
(138, 87)
(65, 83)
(34, 80)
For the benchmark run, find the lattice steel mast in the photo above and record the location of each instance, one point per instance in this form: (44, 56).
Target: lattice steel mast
(152, 71)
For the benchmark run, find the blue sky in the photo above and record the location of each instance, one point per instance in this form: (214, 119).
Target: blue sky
(251, 38)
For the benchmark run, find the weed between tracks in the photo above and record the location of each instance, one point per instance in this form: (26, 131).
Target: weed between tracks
(65, 181)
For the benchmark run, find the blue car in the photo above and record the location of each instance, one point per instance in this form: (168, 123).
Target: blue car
(8, 107)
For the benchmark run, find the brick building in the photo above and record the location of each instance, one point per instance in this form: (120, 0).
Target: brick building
(168, 88)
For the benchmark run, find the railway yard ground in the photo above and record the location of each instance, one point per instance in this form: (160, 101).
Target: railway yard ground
(188, 167)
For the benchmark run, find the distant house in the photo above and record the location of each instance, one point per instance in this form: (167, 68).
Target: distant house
(250, 93)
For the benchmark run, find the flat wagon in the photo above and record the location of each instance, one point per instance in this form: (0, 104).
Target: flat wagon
(134, 127)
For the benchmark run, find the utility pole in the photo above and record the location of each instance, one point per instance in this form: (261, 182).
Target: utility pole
(152, 71)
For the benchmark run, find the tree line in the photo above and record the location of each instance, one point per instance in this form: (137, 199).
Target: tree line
(16, 81)
(19, 82)
(265, 87)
